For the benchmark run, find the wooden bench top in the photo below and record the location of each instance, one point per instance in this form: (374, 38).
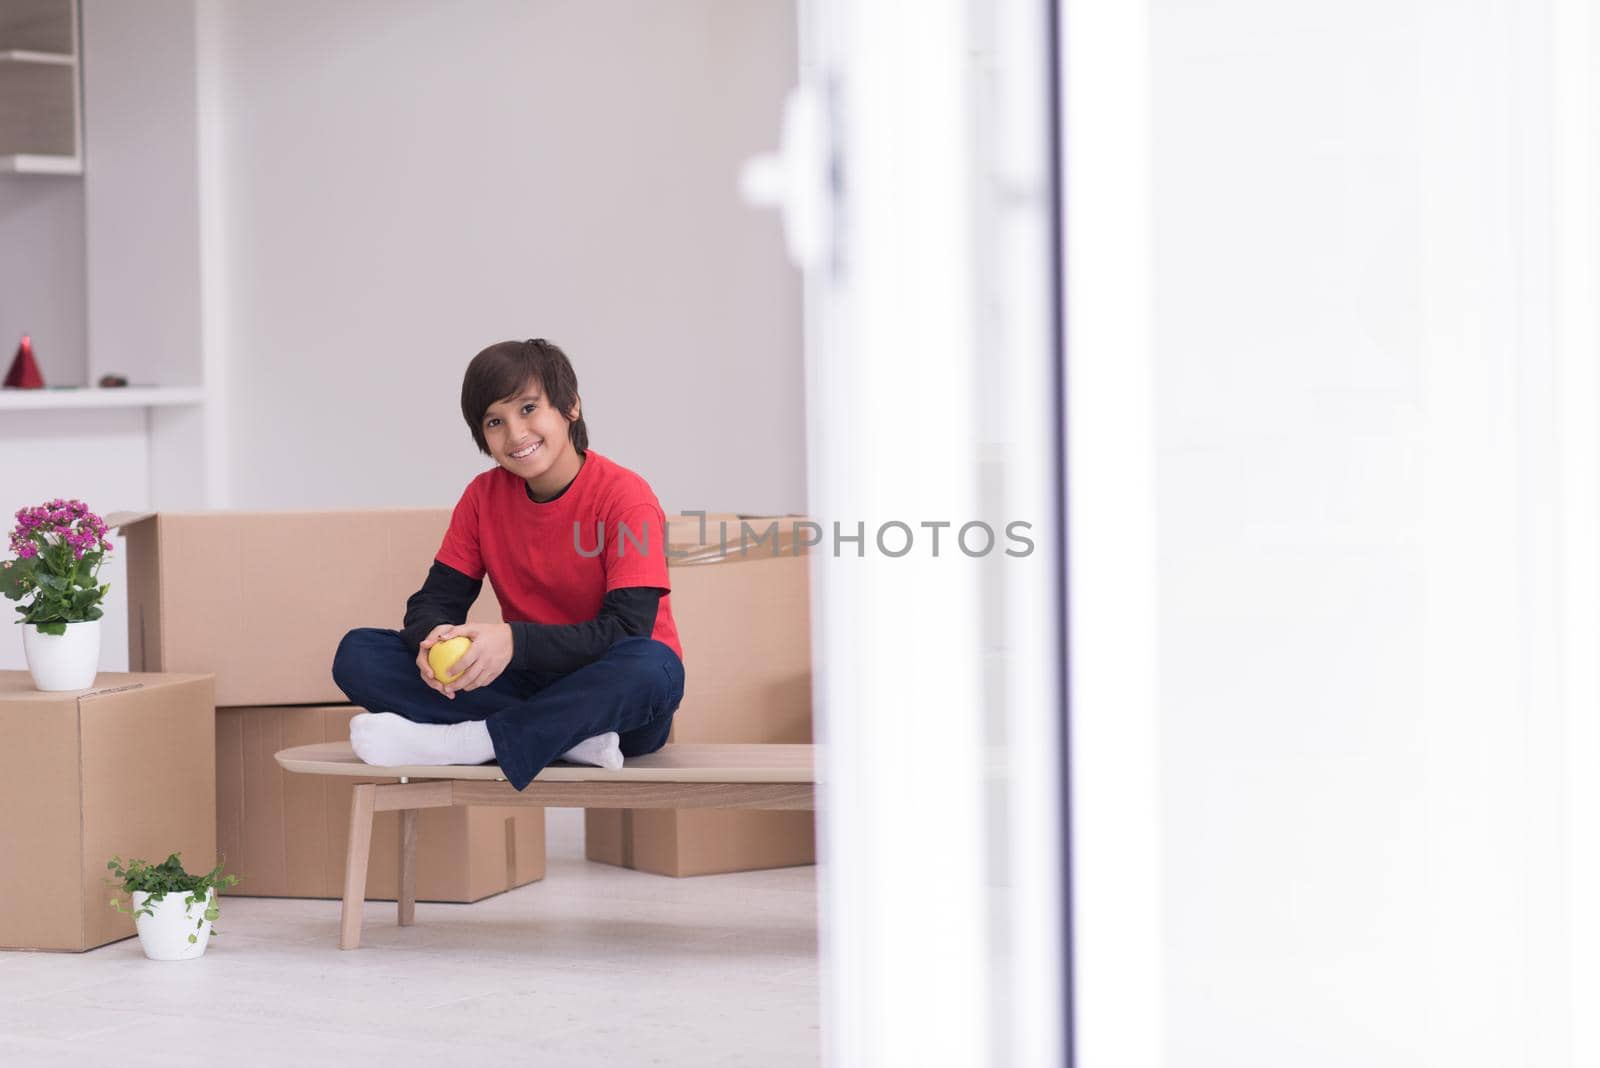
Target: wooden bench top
(687, 762)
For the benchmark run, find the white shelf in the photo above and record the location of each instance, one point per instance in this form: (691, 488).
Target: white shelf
(18, 55)
(12, 400)
(41, 106)
(40, 165)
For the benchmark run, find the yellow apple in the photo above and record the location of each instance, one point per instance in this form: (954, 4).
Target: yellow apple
(443, 655)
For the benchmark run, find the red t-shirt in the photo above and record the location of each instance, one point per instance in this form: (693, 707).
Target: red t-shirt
(545, 561)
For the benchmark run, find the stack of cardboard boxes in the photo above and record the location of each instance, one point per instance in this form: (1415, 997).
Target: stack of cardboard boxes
(741, 599)
(261, 600)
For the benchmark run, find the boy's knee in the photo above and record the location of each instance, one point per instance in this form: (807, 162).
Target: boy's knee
(671, 665)
(345, 659)
(355, 649)
(658, 666)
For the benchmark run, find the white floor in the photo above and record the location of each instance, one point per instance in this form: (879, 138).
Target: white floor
(593, 965)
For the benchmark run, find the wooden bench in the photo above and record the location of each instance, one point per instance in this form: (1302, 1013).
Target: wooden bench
(761, 776)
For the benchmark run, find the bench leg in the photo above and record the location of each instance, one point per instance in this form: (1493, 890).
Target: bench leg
(355, 864)
(406, 900)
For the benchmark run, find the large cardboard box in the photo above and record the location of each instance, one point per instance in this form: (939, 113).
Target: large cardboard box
(744, 619)
(123, 769)
(285, 835)
(261, 599)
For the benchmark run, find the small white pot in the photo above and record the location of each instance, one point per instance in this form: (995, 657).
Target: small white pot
(63, 661)
(165, 934)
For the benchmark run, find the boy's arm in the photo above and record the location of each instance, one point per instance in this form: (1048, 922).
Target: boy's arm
(445, 597)
(561, 648)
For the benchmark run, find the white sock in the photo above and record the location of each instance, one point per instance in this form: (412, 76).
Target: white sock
(603, 751)
(384, 739)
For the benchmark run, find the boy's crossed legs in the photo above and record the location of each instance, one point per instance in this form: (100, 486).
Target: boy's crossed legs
(620, 705)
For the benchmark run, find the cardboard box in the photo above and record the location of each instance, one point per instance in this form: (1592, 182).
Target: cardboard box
(123, 769)
(261, 599)
(285, 835)
(744, 620)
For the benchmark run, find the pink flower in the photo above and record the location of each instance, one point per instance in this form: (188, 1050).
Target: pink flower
(59, 522)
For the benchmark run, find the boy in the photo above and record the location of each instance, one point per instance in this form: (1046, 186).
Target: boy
(587, 665)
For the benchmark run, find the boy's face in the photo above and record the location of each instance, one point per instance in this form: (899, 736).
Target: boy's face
(528, 437)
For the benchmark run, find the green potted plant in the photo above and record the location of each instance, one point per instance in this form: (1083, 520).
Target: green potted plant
(172, 910)
(59, 547)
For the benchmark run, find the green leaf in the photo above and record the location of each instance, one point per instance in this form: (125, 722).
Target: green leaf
(192, 938)
(17, 579)
(169, 877)
(57, 629)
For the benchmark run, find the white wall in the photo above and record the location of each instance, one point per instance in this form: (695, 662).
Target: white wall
(41, 275)
(401, 184)
(1361, 764)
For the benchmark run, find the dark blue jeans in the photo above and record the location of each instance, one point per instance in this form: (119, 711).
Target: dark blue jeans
(532, 717)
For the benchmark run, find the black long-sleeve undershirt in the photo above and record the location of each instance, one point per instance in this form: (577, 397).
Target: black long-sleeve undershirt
(558, 648)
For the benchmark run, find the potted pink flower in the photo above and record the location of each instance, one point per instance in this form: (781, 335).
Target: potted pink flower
(59, 547)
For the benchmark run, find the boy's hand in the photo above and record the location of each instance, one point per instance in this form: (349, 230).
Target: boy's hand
(485, 661)
(435, 636)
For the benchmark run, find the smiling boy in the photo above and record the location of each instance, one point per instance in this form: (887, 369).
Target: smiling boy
(587, 665)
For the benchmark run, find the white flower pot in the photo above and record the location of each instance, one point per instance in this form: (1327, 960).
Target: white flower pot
(63, 661)
(165, 935)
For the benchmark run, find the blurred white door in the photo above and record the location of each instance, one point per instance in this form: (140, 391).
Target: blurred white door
(916, 176)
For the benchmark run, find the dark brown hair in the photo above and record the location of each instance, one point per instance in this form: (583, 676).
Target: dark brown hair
(500, 371)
